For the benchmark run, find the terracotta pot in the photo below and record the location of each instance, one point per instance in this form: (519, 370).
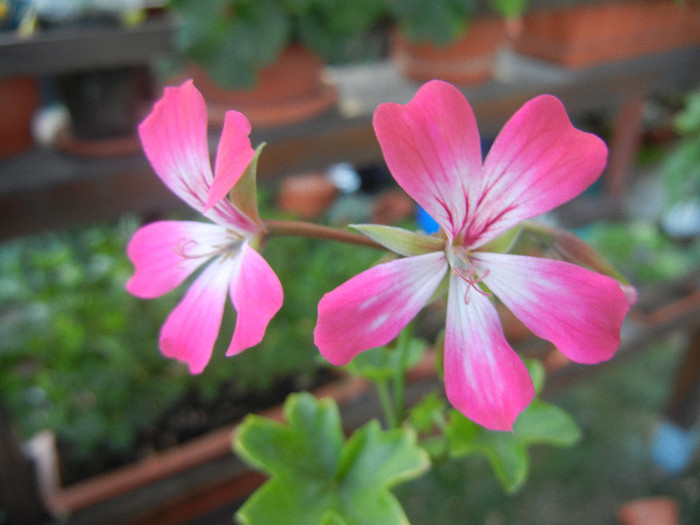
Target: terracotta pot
(307, 195)
(579, 36)
(469, 60)
(19, 99)
(290, 90)
(651, 511)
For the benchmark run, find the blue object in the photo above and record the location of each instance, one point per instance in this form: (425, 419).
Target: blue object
(673, 447)
(425, 221)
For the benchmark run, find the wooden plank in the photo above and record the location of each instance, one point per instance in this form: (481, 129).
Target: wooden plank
(69, 50)
(49, 189)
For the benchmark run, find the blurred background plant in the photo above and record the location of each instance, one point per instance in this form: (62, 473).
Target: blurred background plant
(79, 355)
(234, 39)
(442, 22)
(680, 173)
(439, 22)
(661, 238)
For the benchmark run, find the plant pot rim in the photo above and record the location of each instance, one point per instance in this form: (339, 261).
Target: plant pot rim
(158, 466)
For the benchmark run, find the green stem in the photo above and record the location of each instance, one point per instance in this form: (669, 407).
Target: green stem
(387, 406)
(277, 228)
(402, 347)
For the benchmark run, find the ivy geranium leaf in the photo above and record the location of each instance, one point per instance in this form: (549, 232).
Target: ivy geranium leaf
(316, 477)
(506, 454)
(539, 423)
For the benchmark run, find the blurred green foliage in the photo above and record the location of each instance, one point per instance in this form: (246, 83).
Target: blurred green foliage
(642, 252)
(438, 22)
(79, 355)
(234, 39)
(681, 166)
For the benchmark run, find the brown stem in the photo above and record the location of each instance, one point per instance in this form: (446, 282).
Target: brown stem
(308, 229)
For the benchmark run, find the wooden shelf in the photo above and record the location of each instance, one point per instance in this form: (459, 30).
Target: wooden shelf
(49, 189)
(69, 50)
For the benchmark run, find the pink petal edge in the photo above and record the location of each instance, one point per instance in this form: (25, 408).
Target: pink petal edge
(256, 294)
(484, 377)
(578, 310)
(432, 148)
(371, 309)
(174, 139)
(191, 329)
(538, 161)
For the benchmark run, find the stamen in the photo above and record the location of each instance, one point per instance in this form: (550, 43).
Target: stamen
(183, 244)
(185, 248)
(463, 267)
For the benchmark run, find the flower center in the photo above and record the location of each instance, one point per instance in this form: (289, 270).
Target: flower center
(458, 258)
(189, 248)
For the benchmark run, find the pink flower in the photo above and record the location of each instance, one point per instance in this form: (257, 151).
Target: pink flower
(165, 253)
(537, 162)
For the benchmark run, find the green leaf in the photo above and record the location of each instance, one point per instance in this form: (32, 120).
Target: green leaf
(374, 460)
(401, 241)
(509, 460)
(428, 412)
(544, 422)
(315, 477)
(283, 449)
(505, 453)
(539, 423)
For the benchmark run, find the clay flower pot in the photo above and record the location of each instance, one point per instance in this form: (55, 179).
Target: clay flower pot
(290, 90)
(19, 99)
(468, 60)
(583, 35)
(306, 195)
(650, 511)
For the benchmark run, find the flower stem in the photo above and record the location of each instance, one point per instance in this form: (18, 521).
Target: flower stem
(402, 347)
(382, 387)
(276, 228)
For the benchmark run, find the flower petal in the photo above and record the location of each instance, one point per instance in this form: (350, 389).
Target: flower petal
(233, 156)
(579, 311)
(174, 138)
(165, 253)
(484, 377)
(432, 148)
(372, 308)
(191, 329)
(537, 162)
(256, 294)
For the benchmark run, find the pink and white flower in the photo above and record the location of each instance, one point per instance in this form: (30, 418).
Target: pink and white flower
(537, 162)
(166, 253)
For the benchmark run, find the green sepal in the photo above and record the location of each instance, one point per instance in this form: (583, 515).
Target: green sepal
(316, 477)
(244, 194)
(398, 240)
